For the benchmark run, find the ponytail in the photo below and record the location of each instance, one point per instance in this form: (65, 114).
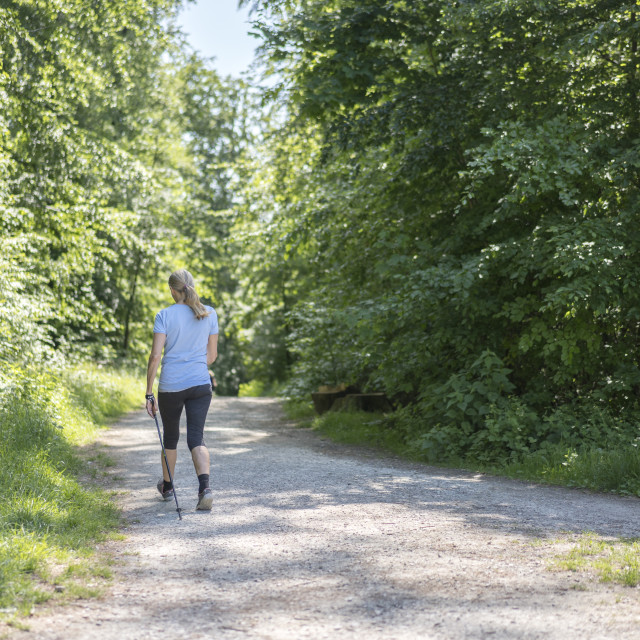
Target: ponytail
(182, 281)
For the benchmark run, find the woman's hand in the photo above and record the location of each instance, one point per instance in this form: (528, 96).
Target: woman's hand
(151, 407)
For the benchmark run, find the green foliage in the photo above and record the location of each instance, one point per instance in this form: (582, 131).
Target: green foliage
(258, 389)
(444, 208)
(117, 148)
(46, 515)
(253, 389)
(83, 88)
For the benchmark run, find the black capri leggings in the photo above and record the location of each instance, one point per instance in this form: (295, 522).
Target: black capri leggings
(196, 401)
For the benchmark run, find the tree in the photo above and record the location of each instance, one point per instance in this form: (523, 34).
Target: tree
(468, 204)
(116, 156)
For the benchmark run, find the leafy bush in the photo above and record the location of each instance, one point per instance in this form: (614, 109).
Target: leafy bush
(508, 433)
(471, 412)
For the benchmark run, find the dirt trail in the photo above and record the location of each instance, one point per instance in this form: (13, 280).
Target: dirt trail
(311, 540)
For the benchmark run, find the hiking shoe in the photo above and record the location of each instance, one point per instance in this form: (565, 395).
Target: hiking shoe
(166, 495)
(205, 500)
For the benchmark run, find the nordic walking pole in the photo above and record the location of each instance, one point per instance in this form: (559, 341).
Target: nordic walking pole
(164, 453)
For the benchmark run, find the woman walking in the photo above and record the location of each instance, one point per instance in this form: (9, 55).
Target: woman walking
(188, 333)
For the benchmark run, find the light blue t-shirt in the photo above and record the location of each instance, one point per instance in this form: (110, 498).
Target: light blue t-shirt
(184, 362)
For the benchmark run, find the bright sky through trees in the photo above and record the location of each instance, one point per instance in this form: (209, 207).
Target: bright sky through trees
(217, 28)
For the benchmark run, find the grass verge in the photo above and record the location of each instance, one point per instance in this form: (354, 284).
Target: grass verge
(50, 521)
(300, 411)
(615, 470)
(349, 427)
(613, 560)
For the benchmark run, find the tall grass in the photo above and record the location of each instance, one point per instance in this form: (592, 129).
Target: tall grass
(615, 469)
(299, 410)
(49, 521)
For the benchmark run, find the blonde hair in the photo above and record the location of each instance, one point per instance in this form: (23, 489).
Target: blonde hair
(182, 281)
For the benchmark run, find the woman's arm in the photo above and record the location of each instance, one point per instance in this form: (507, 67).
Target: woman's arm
(212, 349)
(152, 367)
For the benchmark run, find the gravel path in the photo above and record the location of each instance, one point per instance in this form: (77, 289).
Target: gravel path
(311, 540)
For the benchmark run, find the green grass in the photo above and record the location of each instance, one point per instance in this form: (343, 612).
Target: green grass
(613, 560)
(104, 394)
(360, 427)
(614, 470)
(299, 410)
(49, 520)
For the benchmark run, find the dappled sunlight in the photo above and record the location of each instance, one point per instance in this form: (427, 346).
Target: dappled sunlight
(302, 542)
(482, 501)
(233, 451)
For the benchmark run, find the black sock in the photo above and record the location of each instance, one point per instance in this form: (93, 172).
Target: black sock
(203, 479)
(167, 486)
